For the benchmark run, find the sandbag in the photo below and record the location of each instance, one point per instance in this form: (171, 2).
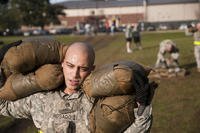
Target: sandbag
(6, 92)
(49, 76)
(5, 48)
(115, 79)
(18, 59)
(31, 54)
(17, 86)
(112, 114)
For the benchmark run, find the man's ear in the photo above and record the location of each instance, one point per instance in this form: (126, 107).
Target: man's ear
(62, 64)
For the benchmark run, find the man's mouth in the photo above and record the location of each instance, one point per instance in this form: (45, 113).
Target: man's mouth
(74, 82)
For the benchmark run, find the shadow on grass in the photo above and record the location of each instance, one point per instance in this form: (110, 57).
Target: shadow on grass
(20, 126)
(195, 120)
(189, 66)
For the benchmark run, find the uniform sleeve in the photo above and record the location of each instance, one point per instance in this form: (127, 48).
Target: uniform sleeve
(160, 57)
(142, 123)
(17, 109)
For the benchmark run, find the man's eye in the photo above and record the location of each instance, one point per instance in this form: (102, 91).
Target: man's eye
(84, 69)
(69, 65)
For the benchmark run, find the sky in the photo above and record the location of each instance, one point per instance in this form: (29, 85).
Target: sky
(56, 1)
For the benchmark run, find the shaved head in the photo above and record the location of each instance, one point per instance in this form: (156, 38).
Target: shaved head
(84, 49)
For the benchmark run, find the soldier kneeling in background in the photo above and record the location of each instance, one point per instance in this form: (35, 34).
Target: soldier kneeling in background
(171, 62)
(167, 64)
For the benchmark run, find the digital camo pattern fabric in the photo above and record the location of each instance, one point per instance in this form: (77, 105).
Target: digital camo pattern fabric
(56, 112)
(52, 112)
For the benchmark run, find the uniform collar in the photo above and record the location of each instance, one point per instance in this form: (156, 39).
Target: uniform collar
(72, 96)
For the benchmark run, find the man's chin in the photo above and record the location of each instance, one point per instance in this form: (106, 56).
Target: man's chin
(73, 87)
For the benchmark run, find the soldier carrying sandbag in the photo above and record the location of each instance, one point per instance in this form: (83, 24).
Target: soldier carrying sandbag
(73, 105)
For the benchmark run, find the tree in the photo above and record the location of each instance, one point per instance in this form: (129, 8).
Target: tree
(3, 1)
(38, 12)
(9, 18)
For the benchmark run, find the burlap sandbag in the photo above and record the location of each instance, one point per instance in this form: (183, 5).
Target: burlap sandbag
(31, 54)
(6, 92)
(49, 76)
(17, 86)
(114, 79)
(112, 114)
(21, 62)
(18, 59)
(6, 47)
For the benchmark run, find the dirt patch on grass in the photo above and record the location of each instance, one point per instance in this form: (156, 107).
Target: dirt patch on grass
(100, 41)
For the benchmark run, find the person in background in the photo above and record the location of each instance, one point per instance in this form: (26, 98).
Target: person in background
(128, 36)
(87, 29)
(107, 26)
(168, 46)
(197, 46)
(113, 27)
(137, 37)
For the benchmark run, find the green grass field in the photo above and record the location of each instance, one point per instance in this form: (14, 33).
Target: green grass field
(176, 103)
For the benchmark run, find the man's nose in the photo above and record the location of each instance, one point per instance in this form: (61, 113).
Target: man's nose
(76, 73)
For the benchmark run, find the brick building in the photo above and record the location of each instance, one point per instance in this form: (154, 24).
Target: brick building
(131, 11)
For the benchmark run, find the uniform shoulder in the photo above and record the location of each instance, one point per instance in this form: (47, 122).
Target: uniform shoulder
(44, 95)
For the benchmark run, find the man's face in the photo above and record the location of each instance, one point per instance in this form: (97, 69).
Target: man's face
(76, 67)
(168, 47)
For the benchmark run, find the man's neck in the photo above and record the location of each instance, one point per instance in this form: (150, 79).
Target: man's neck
(69, 91)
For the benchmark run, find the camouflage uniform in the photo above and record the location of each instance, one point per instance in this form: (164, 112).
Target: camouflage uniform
(52, 112)
(174, 53)
(57, 112)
